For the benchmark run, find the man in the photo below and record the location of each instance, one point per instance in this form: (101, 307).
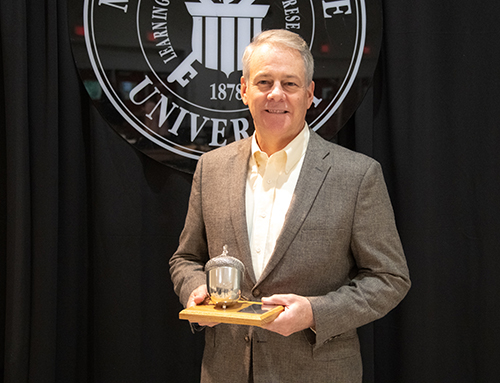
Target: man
(311, 221)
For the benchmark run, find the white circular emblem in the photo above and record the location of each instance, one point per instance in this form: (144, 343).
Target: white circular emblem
(166, 73)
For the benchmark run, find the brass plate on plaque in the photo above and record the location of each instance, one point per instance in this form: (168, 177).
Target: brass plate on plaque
(241, 312)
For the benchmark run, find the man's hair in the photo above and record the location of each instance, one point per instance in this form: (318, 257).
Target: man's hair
(283, 38)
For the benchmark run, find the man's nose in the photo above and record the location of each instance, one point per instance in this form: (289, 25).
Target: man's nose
(276, 93)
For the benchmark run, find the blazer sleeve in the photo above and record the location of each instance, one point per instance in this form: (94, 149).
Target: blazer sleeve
(382, 278)
(187, 263)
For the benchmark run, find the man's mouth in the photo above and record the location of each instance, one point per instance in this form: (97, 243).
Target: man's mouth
(276, 111)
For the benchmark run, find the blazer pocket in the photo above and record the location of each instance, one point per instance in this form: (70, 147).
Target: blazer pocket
(323, 244)
(342, 346)
(321, 235)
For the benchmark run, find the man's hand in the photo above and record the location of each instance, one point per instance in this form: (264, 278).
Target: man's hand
(297, 315)
(200, 296)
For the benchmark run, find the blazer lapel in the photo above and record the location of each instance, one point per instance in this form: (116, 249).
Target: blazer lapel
(311, 178)
(238, 169)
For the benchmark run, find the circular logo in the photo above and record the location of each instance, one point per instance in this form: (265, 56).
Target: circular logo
(166, 74)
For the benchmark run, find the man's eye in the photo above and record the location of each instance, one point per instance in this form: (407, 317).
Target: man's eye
(290, 86)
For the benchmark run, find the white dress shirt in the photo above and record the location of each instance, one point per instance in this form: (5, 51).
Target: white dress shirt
(270, 185)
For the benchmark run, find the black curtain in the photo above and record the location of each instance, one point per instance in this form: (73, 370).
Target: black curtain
(88, 223)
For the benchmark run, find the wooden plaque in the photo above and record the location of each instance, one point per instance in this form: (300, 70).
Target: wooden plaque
(242, 312)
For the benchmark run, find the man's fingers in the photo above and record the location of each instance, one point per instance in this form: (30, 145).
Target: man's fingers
(198, 296)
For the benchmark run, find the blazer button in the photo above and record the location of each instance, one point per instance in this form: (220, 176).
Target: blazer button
(256, 293)
(247, 339)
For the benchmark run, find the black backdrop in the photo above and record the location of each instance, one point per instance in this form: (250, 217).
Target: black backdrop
(88, 223)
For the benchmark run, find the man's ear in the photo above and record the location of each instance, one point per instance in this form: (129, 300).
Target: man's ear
(244, 90)
(310, 93)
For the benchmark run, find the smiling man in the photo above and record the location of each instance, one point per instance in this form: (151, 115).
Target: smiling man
(278, 93)
(311, 221)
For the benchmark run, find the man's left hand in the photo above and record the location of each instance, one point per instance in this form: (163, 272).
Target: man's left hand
(297, 315)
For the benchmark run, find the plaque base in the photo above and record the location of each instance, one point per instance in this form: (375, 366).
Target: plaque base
(241, 312)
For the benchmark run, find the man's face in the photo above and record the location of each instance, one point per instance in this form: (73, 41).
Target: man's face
(276, 94)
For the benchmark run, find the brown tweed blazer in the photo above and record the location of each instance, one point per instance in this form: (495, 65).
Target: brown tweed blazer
(339, 247)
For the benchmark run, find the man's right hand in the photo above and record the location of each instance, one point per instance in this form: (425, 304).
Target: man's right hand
(200, 296)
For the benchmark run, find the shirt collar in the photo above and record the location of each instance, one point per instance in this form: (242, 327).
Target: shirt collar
(294, 150)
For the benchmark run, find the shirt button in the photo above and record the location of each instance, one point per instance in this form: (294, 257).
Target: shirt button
(269, 181)
(258, 250)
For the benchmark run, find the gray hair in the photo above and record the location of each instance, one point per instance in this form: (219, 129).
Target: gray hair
(284, 38)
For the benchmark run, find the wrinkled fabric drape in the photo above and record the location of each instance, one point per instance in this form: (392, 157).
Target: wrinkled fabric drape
(88, 223)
